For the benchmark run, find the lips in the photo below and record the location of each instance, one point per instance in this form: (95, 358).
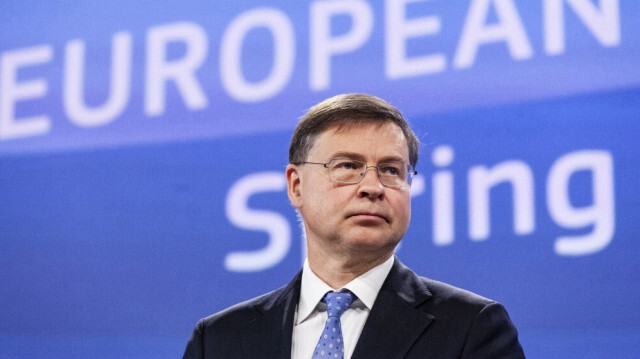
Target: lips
(365, 214)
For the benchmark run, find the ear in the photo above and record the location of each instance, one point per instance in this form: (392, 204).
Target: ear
(293, 185)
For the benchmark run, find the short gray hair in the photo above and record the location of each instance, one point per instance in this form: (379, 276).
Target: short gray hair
(347, 110)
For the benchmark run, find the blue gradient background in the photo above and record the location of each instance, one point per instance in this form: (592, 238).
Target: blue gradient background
(113, 239)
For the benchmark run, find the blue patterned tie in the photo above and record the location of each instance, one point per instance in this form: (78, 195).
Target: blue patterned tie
(330, 344)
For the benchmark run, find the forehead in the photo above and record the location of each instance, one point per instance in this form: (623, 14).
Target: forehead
(371, 140)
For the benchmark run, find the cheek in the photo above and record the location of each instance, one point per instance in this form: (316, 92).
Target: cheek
(330, 196)
(321, 202)
(311, 191)
(329, 202)
(403, 206)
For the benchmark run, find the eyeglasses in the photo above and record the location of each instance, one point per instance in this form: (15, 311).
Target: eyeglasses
(392, 174)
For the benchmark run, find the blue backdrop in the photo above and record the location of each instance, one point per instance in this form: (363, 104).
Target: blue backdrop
(142, 149)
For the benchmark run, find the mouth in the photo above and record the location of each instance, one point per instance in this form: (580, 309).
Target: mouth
(368, 216)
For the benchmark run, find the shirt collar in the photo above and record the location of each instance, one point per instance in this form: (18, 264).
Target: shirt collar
(365, 287)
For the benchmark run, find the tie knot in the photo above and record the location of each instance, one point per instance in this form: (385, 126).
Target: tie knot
(338, 302)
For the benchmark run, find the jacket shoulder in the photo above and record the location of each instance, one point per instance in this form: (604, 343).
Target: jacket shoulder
(244, 313)
(419, 290)
(444, 293)
(245, 326)
(479, 326)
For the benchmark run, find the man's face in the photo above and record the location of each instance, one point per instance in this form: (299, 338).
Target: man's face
(365, 218)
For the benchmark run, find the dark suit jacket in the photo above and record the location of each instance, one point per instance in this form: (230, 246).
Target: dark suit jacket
(412, 317)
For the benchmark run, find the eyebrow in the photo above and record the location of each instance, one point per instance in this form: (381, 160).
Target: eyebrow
(359, 157)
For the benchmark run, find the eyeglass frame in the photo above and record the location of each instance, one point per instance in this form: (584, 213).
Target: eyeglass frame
(411, 172)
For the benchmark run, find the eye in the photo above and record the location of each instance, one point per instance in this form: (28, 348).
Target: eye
(391, 169)
(345, 165)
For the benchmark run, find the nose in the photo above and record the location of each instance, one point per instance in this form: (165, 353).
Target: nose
(370, 185)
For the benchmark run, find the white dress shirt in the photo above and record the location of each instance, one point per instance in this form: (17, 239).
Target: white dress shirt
(311, 312)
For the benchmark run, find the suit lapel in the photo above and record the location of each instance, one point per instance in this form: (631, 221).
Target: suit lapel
(289, 302)
(395, 321)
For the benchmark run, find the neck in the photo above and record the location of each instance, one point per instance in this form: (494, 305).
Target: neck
(338, 271)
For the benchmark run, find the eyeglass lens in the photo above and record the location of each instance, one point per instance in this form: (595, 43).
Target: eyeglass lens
(392, 174)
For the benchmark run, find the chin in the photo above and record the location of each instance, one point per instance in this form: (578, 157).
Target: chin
(372, 243)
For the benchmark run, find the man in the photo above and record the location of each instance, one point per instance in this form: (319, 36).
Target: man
(351, 161)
